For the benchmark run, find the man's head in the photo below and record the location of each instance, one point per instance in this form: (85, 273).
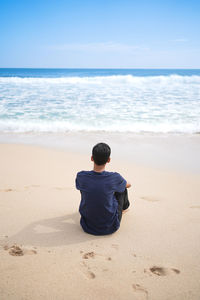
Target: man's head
(101, 154)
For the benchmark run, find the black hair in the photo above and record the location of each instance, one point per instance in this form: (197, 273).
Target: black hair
(101, 153)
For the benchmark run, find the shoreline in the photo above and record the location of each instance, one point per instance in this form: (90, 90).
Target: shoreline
(179, 152)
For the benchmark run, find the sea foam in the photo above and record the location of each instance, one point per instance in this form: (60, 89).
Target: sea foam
(117, 103)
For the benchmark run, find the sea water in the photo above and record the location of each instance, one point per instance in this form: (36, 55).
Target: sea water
(96, 100)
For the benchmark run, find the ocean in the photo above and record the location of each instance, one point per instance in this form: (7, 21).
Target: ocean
(100, 100)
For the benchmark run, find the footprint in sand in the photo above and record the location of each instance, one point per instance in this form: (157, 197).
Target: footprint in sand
(85, 268)
(161, 271)
(90, 274)
(88, 255)
(16, 250)
(138, 288)
(86, 271)
(92, 254)
(149, 199)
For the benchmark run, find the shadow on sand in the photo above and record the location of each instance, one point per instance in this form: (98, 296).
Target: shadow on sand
(64, 230)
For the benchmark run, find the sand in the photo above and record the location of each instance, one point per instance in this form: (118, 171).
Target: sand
(44, 254)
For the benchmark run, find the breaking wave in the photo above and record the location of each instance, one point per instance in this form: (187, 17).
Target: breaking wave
(117, 103)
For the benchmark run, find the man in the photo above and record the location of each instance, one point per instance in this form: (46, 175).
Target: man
(104, 194)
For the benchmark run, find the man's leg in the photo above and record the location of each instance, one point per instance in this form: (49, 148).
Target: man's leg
(123, 202)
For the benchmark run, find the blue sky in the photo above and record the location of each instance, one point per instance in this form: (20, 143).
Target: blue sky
(100, 34)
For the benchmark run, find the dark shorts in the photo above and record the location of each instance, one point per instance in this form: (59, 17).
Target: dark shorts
(123, 202)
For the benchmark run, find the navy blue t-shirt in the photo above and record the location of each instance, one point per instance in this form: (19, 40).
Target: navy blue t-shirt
(99, 207)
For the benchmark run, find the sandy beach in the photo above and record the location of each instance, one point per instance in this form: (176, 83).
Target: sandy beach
(44, 254)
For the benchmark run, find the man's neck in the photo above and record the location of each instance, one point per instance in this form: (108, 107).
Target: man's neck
(99, 168)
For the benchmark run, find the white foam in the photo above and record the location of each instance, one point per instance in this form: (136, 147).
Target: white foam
(63, 126)
(103, 103)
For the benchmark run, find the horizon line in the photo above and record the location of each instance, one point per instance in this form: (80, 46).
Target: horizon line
(64, 68)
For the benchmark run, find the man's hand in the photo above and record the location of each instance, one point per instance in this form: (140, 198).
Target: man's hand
(128, 185)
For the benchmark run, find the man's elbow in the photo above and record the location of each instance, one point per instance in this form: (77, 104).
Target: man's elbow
(128, 185)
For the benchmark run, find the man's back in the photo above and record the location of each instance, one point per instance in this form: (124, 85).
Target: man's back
(99, 207)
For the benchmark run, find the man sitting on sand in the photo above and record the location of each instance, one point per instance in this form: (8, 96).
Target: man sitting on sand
(103, 195)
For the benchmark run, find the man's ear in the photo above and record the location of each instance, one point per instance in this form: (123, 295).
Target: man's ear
(109, 160)
(92, 159)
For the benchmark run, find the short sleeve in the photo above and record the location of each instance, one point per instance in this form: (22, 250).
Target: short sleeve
(120, 183)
